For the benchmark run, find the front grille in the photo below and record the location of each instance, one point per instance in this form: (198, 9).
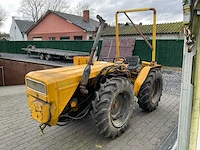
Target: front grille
(36, 86)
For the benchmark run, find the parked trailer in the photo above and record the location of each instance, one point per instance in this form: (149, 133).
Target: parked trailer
(49, 53)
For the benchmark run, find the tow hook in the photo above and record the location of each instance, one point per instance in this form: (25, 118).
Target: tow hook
(42, 127)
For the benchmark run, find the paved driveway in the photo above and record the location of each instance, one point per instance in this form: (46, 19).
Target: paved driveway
(18, 131)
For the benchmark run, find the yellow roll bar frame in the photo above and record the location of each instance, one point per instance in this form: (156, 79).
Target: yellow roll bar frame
(153, 46)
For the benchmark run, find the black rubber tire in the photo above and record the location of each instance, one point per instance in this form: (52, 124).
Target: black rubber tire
(113, 106)
(48, 57)
(151, 91)
(41, 56)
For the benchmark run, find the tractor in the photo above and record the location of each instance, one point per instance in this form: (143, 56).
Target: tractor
(108, 91)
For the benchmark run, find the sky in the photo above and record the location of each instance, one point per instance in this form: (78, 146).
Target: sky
(167, 11)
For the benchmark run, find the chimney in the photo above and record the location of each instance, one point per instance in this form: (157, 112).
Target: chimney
(13, 18)
(86, 15)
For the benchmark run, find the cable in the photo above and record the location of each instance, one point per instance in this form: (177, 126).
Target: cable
(66, 116)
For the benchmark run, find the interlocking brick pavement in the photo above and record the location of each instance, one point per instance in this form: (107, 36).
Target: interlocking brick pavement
(19, 132)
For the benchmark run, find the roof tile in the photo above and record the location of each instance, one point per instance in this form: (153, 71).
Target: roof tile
(78, 21)
(24, 25)
(174, 27)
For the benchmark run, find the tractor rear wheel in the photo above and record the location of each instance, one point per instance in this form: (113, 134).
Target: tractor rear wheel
(151, 91)
(113, 106)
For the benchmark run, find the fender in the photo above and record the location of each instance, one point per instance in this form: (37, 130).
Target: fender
(141, 78)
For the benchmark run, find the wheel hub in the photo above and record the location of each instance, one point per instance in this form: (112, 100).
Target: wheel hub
(155, 91)
(120, 108)
(115, 106)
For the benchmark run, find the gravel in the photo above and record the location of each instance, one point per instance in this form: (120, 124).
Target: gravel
(171, 76)
(172, 81)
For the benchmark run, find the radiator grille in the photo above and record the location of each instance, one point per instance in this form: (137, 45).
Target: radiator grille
(36, 86)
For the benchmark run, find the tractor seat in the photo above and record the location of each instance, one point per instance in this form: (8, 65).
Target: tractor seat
(133, 62)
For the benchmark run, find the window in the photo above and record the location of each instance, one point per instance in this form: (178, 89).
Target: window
(37, 38)
(90, 38)
(77, 37)
(64, 38)
(52, 38)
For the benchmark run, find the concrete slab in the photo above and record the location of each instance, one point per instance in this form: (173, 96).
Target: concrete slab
(18, 131)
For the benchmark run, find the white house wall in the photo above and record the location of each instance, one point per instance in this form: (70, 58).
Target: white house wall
(89, 34)
(15, 34)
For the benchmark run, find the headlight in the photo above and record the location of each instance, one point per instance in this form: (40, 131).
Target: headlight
(36, 86)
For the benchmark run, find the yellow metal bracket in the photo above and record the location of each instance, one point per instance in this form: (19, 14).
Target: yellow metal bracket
(153, 46)
(141, 78)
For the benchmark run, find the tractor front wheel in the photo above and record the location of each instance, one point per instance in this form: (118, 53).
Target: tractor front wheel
(151, 91)
(113, 106)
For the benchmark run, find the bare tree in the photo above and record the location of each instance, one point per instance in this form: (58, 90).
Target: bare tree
(3, 15)
(58, 5)
(80, 7)
(34, 9)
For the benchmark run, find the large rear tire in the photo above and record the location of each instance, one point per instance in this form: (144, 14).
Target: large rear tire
(151, 91)
(113, 106)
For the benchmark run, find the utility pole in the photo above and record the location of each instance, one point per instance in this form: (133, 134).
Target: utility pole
(189, 112)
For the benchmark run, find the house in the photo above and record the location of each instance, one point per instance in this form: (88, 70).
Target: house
(61, 26)
(172, 30)
(18, 29)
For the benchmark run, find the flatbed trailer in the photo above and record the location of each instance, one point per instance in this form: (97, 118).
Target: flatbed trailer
(49, 53)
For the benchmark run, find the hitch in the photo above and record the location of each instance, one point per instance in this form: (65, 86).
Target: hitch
(42, 127)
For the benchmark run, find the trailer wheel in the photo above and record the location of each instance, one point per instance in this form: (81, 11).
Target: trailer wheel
(113, 106)
(48, 57)
(41, 56)
(151, 91)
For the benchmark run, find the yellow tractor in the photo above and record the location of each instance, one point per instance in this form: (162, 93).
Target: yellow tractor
(108, 90)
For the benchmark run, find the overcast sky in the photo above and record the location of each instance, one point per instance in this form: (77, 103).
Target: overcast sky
(167, 11)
